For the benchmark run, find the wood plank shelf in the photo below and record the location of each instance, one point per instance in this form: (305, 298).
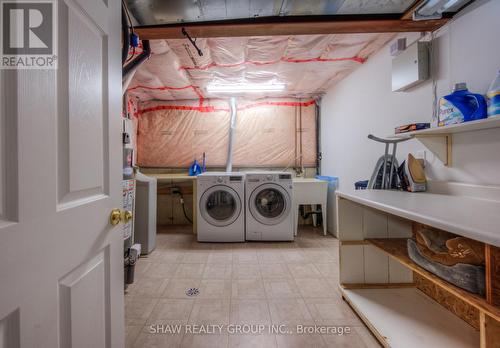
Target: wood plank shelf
(397, 249)
(406, 318)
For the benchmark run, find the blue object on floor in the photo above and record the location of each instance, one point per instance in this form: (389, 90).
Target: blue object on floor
(361, 185)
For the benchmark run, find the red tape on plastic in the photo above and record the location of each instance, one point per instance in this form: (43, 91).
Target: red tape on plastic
(216, 109)
(283, 59)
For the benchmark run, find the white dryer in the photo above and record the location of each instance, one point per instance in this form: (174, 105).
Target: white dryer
(221, 207)
(269, 206)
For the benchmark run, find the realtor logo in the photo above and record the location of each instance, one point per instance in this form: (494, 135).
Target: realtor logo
(28, 34)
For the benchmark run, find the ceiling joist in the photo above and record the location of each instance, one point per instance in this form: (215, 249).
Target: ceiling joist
(284, 27)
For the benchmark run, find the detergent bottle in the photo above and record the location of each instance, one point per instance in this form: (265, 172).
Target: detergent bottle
(461, 106)
(493, 97)
(195, 169)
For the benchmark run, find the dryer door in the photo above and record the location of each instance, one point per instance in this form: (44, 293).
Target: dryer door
(220, 205)
(270, 204)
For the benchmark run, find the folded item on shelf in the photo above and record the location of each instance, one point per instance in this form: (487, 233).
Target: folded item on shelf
(447, 248)
(465, 276)
(411, 127)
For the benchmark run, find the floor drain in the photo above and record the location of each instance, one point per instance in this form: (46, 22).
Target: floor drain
(192, 292)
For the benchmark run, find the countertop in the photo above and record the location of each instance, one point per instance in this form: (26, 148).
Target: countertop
(475, 218)
(176, 176)
(299, 180)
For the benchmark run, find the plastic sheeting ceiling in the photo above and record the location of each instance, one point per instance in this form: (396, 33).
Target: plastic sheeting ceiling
(307, 64)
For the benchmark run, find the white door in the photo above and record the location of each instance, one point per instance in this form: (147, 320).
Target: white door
(61, 262)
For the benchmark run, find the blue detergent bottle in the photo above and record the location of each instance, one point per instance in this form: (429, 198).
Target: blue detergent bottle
(195, 169)
(461, 106)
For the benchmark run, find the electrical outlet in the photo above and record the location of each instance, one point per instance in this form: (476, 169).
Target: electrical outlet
(420, 154)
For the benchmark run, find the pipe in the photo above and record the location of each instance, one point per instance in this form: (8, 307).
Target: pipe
(130, 69)
(125, 34)
(141, 58)
(318, 138)
(232, 127)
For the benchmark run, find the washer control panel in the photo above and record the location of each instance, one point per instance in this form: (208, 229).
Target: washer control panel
(269, 177)
(221, 179)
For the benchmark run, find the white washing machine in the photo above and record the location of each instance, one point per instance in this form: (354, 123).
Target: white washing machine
(269, 206)
(221, 207)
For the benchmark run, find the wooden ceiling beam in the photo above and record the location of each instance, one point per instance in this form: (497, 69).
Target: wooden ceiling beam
(233, 29)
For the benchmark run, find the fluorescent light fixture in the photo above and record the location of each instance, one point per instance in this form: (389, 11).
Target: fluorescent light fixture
(245, 87)
(433, 9)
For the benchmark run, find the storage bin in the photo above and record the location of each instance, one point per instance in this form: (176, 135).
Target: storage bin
(333, 182)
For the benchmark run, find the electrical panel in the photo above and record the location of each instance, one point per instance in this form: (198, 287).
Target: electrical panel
(410, 67)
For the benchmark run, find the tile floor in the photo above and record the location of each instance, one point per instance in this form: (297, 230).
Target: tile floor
(244, 283)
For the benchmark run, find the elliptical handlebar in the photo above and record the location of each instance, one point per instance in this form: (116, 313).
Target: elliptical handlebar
(387, 158)
(387, 141)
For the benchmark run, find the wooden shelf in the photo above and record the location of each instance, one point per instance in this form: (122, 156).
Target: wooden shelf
(173, 176)
(407, 318)
(397, 249)
(439, 139)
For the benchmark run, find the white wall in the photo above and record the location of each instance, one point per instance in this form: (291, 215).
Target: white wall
(468, 49)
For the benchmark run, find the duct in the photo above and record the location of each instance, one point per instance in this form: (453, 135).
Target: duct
(153, 12)
(318, 138)
(232, 126)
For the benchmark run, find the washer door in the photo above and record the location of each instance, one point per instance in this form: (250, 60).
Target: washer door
(269, 204)
(220, 205)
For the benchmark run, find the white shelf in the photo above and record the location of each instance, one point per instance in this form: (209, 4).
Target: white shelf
(487, 123)
(407, 318)
(469, 217)
(439, 139)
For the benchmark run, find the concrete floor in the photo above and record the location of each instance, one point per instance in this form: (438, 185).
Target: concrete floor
(250, 284)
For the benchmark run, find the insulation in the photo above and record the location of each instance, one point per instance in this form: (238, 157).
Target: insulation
(172, 137)
(269, 133)
(307, 64)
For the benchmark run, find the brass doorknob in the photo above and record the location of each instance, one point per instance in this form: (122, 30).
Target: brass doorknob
(115, 217)
(127, 216)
